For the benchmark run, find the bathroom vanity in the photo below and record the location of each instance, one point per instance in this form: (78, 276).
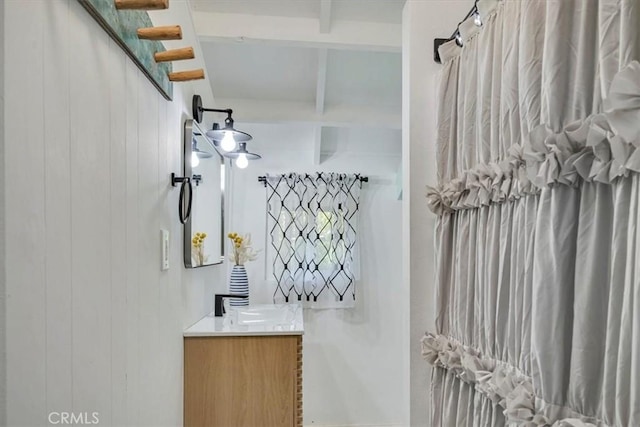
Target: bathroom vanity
(245, 369)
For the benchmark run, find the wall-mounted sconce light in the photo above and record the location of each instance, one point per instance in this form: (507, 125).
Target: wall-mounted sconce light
(242, 156)
(227, 136)
(197, 154)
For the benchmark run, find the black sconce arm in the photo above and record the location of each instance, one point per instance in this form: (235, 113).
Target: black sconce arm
(197, 109)
(229, 111)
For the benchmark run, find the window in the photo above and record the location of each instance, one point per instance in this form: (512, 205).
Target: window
(311, 222)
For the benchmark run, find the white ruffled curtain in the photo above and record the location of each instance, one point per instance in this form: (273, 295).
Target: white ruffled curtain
(538, 201)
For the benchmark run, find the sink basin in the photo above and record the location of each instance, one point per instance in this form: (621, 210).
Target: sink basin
(256, 320)
(264, 315)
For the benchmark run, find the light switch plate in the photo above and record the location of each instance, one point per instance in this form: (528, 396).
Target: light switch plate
(164, 241)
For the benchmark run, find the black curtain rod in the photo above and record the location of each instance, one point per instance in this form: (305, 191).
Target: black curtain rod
(438, 42)
(263, 179)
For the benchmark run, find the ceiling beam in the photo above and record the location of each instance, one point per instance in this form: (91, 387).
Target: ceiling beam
(317, 145)
(325, 16)
(281, 112)
(298, 32)
(321, 83)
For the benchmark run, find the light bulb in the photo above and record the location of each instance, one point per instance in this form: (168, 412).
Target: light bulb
(228, 143)
(459, 39)
(477, 20)
(195, 161)
(242, 161)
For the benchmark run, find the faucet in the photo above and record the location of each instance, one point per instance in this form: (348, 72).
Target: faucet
(219, 307)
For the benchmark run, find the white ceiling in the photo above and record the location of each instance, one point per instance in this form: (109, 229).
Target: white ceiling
(348, 10)
(364, 79)
(368, 10)
(324, 64)
(305, 8)
(254, 71)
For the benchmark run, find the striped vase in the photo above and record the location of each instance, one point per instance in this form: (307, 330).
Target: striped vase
(239, 285)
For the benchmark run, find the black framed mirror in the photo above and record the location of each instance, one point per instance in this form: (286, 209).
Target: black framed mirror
(204, 229)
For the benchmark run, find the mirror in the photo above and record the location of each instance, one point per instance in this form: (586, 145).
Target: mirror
(204, 230)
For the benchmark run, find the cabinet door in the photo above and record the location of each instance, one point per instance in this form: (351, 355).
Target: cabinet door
(298, 396)
(241, 381)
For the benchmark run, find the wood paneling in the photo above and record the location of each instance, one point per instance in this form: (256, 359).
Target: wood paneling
(92, 323)
(118, 249)
(131, 236)
(25, 216)
(57, 208)
(148, 242)
(3, 295)
(90, 222)
(241, 381)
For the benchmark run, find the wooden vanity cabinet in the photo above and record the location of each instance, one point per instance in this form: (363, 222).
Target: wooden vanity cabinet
(243, 381)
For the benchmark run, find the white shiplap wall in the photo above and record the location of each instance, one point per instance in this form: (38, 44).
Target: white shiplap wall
(93, 325)
(3, 359)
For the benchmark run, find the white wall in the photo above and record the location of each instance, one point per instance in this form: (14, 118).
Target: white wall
(351, 357)
(92, 323)
(422, 21)
(3, 358)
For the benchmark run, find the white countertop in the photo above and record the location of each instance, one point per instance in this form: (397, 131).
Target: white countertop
(278, 319)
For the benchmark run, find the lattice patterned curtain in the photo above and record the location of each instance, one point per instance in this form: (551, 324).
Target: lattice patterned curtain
(312, 228)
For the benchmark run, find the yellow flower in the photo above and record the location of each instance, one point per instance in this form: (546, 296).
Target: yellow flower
(204, 235)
